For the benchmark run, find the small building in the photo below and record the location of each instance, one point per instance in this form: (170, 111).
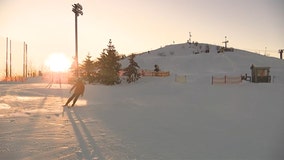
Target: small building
(260, 74)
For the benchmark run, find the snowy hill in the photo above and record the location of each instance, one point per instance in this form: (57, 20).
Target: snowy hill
(180, 59)
(155, 117)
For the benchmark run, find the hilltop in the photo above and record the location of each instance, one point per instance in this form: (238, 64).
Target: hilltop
(192, 60)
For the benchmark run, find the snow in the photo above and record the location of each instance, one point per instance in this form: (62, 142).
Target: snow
(155, 117)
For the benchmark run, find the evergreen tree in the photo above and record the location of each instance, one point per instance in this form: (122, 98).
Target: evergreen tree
(88, 69)
(132, 70)
(109, 66)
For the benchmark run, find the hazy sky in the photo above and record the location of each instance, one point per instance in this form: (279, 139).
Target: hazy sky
(135, 26)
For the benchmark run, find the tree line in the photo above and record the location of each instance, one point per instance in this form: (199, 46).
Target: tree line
(106, 69)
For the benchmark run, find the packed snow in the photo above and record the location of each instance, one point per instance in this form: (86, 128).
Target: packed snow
(155, 118)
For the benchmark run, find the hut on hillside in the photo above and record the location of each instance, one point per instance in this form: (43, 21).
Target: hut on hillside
(260, 74)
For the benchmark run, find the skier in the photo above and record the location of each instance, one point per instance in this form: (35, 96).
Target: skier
(79, 89)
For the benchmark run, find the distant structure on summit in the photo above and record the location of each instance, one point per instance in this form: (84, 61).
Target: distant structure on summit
(226, 41)
(281, 53)
(225, 48)
(189, 39)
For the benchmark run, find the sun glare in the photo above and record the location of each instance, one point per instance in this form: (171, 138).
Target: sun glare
(58, 62)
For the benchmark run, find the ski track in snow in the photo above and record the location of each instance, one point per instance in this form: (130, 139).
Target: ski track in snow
(34, 125)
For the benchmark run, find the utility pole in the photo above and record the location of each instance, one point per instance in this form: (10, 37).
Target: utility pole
(77, 9)
(7, 74)
(10, 58)
(25, 61)
(26, 67)
(24, 57)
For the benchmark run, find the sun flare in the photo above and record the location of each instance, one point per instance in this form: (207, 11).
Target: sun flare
(58, 62)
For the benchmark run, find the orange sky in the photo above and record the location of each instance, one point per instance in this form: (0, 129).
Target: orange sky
(136, 26)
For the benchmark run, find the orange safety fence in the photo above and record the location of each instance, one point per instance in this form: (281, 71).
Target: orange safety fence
(14, 79)
(153, 73)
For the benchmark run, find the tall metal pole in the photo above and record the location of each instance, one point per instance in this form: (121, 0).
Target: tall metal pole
(76, 47)
(10, 58)
(77, 9)
(7, 74)
(26, 61)
(24, 57)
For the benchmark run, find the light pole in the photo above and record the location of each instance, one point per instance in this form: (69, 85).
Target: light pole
(7, 71)
(77, 9)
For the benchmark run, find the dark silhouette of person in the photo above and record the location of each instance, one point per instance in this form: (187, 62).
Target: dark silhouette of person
(79, 89)
(251, 67)
(157, 69)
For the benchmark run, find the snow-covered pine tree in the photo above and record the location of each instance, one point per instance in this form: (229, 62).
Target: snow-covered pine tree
(131, 71)
(109, 66)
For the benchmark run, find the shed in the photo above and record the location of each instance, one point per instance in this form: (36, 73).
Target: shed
(260, 74)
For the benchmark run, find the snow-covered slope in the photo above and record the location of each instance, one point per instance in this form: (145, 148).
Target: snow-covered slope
(155, 117)
(180, 59)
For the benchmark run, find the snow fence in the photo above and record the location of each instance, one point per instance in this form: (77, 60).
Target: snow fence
(226, 79)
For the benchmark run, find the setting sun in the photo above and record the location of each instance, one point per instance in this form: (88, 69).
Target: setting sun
(58, 62)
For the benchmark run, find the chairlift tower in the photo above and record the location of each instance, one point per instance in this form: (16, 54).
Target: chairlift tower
(226, 41)
(281, 53)
(189, 39)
